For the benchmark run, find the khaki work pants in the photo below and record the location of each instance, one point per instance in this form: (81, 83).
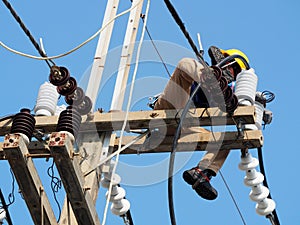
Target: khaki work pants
(176, 95)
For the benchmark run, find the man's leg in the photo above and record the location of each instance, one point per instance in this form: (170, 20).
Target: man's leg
(214, 160)
(177, 91)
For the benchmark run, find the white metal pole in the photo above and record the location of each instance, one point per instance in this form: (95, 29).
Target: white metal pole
(101, 52)
(128, 47)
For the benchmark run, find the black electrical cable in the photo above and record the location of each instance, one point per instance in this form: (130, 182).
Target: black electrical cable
(55, 186)
(5, 207)
(173, 152)
(27, 32)
(262, 170)
(232, 57)
(182, 27)
(184, 112)
(11, 196)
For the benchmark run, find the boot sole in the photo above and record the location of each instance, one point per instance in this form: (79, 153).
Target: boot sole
(206, 192)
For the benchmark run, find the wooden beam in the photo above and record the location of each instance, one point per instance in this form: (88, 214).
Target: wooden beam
(193, 142)
(16, 153)
(142, 119)
(156, 144)
(67, 163)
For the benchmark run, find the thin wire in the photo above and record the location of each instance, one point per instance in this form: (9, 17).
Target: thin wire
(26, 31)
(74, 49)
(233, 199)
(127, 109)
(156, 49)
(11, 196)
(55, 186)
(118, 151)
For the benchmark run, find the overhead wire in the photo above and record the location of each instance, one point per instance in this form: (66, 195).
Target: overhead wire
(75, 48)
(232, 197)
(127, 108)
(224, 180)
(26, 31)
(184, 112)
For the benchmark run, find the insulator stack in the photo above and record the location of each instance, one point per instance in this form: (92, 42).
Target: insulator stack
(60, 77)
(245, 90)
(217, 86)
(254, 179)
(67, 86)
(69, 121)
(78, 99)
(120, 205)
(46, 101)
(23, 123)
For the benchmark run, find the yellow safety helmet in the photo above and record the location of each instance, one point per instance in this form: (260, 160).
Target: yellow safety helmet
(233, 51)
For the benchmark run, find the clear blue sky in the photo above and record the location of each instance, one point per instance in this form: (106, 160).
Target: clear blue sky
(267, 31)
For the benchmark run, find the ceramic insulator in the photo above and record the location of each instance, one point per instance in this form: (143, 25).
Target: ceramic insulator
(47, 100)
(254, 179)
(245, 90)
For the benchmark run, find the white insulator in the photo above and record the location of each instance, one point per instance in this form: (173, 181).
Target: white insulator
(265, 207)
(2, 215)
(255, 181)
(120, 207)
(259, 195)
(251, 174)
(59, 109)
(117, 193)
(47, 100)
(248, 163)
(115, 179)
(105, 181)
(259, 112)
(245, 90)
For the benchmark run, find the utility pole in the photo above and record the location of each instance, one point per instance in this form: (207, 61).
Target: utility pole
(97, 144)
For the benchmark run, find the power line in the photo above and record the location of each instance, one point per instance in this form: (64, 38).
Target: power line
(75, 48)
(26, 31)
(232, 197)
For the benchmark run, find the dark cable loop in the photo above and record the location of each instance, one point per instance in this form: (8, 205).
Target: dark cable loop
(55, 186)
(268, 95)
(27, 32)
(232, 57)
(11, 196)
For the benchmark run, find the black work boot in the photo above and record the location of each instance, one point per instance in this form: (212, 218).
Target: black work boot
(200, 181)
